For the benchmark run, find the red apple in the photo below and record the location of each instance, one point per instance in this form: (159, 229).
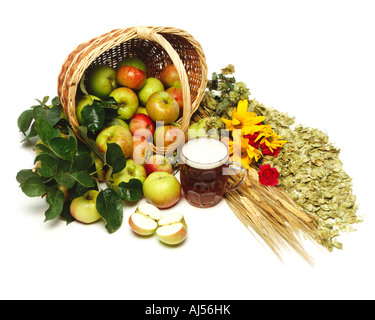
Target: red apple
(142, 125)
(132, 61)
(162, 107)
(169, 77)
(131, 77)
(142, 150)
(176, 93)
(166, 135)
(116, 134)
(158, 163)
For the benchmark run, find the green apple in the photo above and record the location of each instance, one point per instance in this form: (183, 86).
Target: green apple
(117, 122)
(172, 229)
(144, 220)
(134, 62)
(151, 86)
(116, 134)
(83, 102)
(127, 101)
(161, 106)
(162, 189)
(132, 170)
(142, 110)
(83, 208)
(198, 129)
(101, 81)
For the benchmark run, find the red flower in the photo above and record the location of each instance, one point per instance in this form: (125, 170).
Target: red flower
(252, 138)
(267, 152)
(268, 176)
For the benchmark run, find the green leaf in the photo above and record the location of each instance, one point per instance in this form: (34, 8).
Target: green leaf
(24, 174)
(110, 102)
(110, 114)
(110, 108)
(93, 116)
(45, 100)
(56, 102)
(55, 198)
(64, 148)
(114, 157)
(46, 131)
(109, 206)
(31, 134)
(82, 147)
(78, 190)
(42, 148)
(49, 164)
(65, 213)
(82, 162)
(83, 131)
(83, 178)
(63, 176)
(130, 191)
(79, 170)
(24, 121)
(52, 116)
(33, 187)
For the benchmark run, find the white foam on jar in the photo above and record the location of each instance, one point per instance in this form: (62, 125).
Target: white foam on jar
(204, 153)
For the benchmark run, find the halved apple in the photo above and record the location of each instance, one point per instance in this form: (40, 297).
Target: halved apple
(172, 229)
(144, 220)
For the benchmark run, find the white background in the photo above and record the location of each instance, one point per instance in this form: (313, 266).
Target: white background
(312, 59)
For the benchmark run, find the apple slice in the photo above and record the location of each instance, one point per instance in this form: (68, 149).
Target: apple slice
(144, 220)
(172, 229)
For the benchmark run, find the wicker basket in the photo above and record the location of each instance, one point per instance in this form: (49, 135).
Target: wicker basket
(158, 47)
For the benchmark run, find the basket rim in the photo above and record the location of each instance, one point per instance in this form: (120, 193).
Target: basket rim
(85, 54)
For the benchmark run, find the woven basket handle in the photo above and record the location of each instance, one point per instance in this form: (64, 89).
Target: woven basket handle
(149, 33)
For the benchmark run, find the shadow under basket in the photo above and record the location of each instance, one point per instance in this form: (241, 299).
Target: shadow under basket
(158, 47)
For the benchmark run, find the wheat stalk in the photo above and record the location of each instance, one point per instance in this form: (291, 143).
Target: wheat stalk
(272, 215)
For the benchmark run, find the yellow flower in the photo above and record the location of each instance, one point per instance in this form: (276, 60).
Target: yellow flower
(242, 120)
(244, 153)
(270, 138)
(253, 153)
(265, 133)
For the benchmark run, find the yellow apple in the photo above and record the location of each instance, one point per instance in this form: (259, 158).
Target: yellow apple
(83, 208)
(132, 170)
(116, 134)
(162, 189)
(172, 229)
(144, 220)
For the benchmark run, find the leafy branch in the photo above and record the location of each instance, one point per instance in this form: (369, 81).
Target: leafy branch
(65, 168)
